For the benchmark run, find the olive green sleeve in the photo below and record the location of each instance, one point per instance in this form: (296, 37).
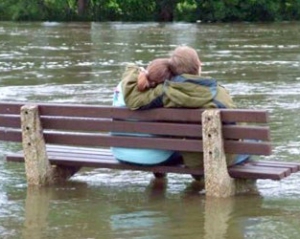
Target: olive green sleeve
(224, 97)
(131, 73)
(135, 99)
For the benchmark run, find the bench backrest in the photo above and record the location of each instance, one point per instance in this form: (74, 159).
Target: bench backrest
(180, 129)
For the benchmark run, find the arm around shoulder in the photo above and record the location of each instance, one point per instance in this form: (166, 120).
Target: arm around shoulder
(135, 99)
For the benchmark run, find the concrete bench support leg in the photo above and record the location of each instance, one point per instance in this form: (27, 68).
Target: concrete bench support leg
(218, 183)
(38, 169)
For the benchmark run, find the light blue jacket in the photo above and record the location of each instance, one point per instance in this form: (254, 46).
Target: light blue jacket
(135, 155)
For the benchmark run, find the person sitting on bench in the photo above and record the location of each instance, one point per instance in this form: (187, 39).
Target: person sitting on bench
(186, 88)
(157, 69)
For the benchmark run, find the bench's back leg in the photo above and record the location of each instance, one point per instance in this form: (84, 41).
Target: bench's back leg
(37, 166)
(218, 183)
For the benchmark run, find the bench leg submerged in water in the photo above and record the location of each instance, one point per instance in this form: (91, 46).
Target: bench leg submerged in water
(218, 183)
(38, 169)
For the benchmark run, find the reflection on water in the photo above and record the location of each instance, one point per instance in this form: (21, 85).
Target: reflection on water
(82, 63)
(77, 210)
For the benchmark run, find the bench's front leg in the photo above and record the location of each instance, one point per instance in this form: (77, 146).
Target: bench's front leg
(218, 183)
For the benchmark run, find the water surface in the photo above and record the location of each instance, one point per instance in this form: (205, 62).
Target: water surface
(82, 63)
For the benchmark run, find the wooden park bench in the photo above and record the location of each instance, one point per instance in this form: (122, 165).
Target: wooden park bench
(59, 139)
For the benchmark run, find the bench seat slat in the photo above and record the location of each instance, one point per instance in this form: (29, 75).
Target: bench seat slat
(294, 167)
(245, 172)
(85, 153)
(104, 162)
(258, 173)
(102, 158)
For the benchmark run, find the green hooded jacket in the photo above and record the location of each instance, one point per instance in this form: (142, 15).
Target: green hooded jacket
(184, 91)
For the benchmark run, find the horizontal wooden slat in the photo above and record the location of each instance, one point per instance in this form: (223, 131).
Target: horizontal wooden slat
(246, 132)
(94, 111)
(10, 135)
(83, 151)
(294, 167)
(11, 121)
(190, 145)
(94, 140)
(124, 114)
(106, 140)
(103, 159)
(163, 114)
(10, 107)
(243, 147)
(159, 128)
(105, 162)
(244, 171)
(249, 116)
(86, 152)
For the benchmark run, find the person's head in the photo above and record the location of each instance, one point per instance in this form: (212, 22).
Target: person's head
(156, 72)
(185, 60)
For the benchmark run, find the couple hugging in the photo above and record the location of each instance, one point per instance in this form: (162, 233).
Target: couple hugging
(169, 82)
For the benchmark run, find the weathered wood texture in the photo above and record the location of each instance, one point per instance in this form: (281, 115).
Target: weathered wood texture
(174, 128)
(76, 127)
(86, 111)
(102, 158)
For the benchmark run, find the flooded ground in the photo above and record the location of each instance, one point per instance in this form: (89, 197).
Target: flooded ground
(82, 63)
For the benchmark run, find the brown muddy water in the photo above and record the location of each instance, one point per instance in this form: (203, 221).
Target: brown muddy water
(82, 63)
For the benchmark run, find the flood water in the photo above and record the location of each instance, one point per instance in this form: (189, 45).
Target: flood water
(82, 63)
